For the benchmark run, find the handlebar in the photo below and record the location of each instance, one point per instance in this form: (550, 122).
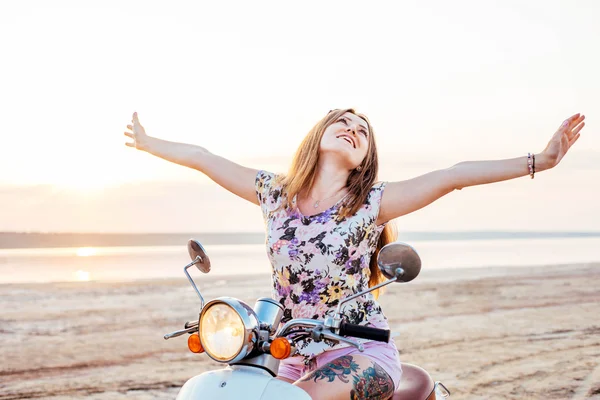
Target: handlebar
(181, 332)
(319, 332)
(364, 332)
(190, 324)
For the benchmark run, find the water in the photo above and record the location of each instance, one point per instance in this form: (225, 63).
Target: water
(131, 263)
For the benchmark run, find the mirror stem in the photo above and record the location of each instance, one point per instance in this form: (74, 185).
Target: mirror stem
(196, 261)
(347, 299)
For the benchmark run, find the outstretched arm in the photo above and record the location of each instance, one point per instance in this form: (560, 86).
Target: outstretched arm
(404, 197)
(236, 178)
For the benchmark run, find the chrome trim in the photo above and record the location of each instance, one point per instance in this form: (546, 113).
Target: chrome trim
(263, 361)
(441, 389)
(333, 323)
(269, 313)
(249, 319)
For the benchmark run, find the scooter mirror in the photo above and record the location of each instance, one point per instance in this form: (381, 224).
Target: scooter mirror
(197, 253)
(399, 255)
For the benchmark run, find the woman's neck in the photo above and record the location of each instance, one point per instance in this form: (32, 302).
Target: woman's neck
(329, 181)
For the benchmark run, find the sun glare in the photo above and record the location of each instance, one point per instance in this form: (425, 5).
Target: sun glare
(82, 276)
(86, 251)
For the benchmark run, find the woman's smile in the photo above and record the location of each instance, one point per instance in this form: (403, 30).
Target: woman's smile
(347, 138)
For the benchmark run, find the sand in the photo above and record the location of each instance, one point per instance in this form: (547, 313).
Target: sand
(514, 333)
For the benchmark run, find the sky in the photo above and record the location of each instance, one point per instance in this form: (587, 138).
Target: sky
(441, 82)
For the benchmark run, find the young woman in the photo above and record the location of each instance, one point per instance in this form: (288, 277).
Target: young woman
(326, 220)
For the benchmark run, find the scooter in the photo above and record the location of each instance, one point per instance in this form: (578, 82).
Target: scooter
(251, 341)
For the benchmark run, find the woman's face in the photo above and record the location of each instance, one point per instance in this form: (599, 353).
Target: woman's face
(347, 136)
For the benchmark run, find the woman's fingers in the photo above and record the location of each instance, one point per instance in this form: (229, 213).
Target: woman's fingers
(130, 135)
(578, 120)
(134, 121)
(574, 139)
(136, 127)
(573, 117)
(568, 122)
(572, 130)
(578, 128)
(572, 121)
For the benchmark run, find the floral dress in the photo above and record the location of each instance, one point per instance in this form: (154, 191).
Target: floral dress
(318, 260)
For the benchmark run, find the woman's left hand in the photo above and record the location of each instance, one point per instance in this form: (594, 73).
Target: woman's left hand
(566, 135)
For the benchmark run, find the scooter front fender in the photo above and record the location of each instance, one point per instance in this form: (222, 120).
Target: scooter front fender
(239, 382)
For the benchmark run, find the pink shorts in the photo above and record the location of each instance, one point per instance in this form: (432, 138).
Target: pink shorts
(384, 354)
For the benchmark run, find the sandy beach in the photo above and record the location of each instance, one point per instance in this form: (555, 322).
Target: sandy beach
(514, 333)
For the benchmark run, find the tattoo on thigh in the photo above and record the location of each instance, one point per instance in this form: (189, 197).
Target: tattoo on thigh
(374, 383)
(341, 367)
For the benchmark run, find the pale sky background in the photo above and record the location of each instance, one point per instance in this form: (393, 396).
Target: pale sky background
(442, 82)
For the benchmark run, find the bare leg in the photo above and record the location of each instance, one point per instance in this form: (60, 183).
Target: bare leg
(349, 377)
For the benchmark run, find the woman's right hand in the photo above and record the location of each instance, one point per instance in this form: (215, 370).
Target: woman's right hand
(138, 134)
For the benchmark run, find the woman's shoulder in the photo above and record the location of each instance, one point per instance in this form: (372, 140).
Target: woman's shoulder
(376, 191)
(378, 186)
(372, 203)
(268, 185)
(369, 205)
(267, 178)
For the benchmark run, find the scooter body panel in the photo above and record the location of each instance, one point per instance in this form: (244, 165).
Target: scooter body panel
(239, 382)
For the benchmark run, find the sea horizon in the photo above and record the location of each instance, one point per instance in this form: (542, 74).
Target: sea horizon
(32, 239)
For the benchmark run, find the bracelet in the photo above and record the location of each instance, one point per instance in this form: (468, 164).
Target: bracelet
(531, 164)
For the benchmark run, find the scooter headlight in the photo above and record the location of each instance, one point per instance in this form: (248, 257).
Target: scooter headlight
(227, 328)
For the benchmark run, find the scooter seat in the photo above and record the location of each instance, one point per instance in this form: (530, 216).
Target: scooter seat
(415, 384)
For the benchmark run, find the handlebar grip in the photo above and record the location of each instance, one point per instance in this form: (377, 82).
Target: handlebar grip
(364, 332)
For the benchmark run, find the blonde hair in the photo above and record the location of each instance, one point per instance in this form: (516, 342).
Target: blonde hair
(303, 170)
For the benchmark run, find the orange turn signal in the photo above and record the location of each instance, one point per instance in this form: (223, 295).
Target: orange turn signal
(194, 344)
(280, 348)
